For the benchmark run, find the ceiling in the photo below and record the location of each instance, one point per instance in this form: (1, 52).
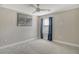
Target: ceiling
(26, 8)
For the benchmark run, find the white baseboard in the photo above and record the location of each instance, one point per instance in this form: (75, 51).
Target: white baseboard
(67, 43)
(13, 44)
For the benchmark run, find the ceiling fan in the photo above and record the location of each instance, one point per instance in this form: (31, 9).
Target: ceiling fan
(37, 8)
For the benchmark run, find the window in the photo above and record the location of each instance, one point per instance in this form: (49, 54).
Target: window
(46, 22)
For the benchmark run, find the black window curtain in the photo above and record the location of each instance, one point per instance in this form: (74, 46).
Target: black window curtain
(50, 29)
(41, 30)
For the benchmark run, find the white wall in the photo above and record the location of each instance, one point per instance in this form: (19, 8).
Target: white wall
(9, 32)
(36, 25)
(66, 26)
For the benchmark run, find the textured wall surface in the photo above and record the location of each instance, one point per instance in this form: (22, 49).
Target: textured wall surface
(9, 32)
(66, 25)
